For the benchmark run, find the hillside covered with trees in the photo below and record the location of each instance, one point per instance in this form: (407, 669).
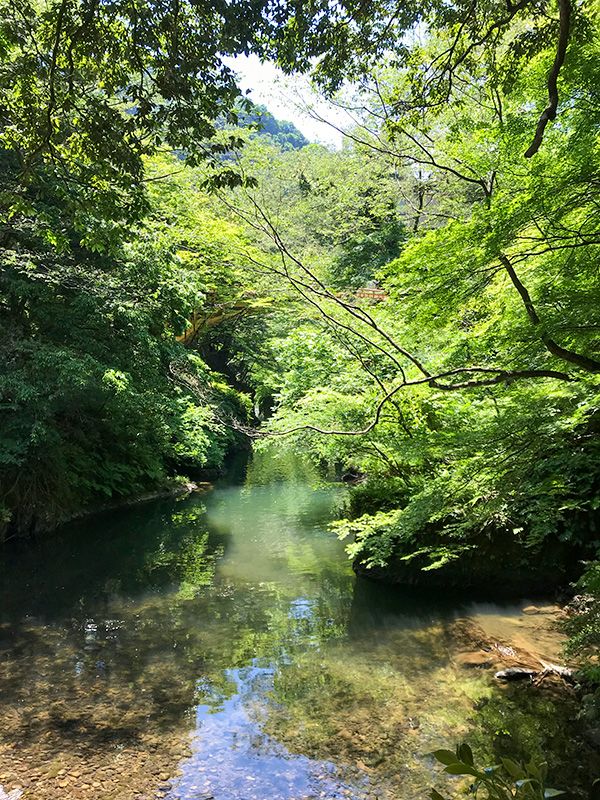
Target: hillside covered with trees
(173, 286)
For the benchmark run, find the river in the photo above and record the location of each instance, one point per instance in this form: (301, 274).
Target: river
(219, 645)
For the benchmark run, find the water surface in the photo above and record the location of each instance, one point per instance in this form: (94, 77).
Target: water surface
(220, 645)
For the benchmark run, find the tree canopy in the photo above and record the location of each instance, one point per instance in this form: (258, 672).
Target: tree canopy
(466, 191)
(471, 391)
(182, 274)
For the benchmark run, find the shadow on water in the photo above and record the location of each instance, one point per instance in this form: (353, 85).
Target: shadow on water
(227, 637)
(378, 607)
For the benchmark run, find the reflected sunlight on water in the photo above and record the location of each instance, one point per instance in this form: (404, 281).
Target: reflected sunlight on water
(234, 758)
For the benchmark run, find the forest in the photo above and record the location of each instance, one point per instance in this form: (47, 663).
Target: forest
(184, 277)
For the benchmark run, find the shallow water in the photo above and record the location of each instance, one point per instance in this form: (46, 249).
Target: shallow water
(221, 646)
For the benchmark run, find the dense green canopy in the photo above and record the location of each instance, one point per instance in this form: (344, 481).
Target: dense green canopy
(464, 386)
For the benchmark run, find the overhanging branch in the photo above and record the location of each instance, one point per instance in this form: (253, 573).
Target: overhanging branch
(499, 376)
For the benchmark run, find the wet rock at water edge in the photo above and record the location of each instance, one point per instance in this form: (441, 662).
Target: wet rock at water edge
(536, 610)
(515, 674)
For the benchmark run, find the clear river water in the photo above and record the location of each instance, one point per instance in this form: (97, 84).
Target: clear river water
(220, 646)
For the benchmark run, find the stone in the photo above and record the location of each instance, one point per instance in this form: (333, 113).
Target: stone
(515, 674)
(540, 610)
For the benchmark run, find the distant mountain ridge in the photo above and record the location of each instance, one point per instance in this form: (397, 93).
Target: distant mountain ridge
(284, 133)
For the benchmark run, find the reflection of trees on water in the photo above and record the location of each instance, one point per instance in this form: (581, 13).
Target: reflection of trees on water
(270, 465)
(115, 647)
(132, 550)
(123, 642)
(83, 660)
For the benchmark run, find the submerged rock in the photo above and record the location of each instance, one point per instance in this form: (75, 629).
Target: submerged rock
(474, 660)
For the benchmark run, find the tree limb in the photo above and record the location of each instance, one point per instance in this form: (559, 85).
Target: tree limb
(501, 376)
(549, 113)
(588, 364)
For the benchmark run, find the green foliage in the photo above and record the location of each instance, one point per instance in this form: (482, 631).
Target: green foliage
(367, 250)
(339, 211)
(88, 90)
(99, 400)
(583, 626)
(475, 383)
(377, 533)
(378, 493)
(500, 782)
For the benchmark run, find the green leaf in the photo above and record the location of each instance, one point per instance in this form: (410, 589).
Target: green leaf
(446, 756)
(513, 769)
(465, 753)
(435, 795)
(553, 793)
(532, 768)
(463, 769)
